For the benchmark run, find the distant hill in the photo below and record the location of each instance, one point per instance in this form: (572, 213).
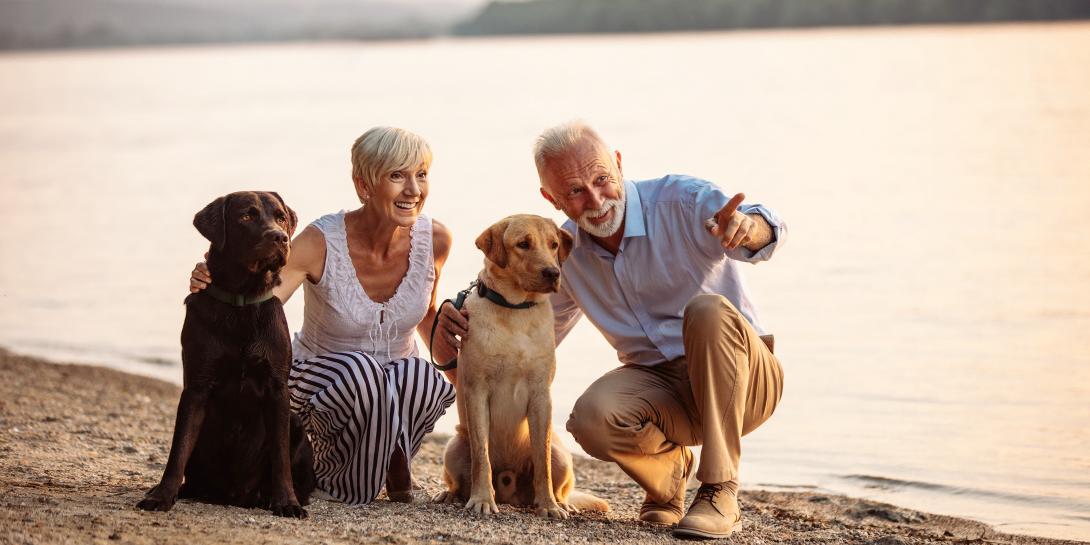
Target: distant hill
(582, 16)
(105, 23)
(35, 24)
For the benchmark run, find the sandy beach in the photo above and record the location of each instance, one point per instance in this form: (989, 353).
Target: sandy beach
(80, 445)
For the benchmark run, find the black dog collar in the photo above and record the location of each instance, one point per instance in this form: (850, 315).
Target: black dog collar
(495, 297)
(235, 299)
(458, 302)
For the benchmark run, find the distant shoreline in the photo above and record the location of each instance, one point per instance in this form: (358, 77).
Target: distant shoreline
(228, 43)
(460, 38)
(44, 25)
(614, 16)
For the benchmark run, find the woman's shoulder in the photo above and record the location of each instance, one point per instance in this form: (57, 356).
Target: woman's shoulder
(329, 224)
(311, 237)
(441, 240)
(308, 251)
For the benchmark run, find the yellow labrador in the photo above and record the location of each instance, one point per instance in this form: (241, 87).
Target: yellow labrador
(505, 449)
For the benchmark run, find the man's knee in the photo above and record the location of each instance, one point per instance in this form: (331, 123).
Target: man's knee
(708, 310)
(587, 424)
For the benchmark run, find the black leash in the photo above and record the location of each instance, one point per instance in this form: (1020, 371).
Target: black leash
(459, 301)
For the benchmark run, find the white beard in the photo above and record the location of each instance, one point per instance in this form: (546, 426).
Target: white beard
(608, 228)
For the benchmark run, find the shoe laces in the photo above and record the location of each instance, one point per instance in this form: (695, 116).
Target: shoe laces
(708, 492)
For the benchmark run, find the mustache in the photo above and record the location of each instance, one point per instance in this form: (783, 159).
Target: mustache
(603, 210)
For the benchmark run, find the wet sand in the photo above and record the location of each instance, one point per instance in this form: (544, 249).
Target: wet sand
(80, 445)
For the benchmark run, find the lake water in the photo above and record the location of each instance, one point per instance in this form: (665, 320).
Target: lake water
(931, 308)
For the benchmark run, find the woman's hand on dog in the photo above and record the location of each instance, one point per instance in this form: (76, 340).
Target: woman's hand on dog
(454, 325)
(200, 278)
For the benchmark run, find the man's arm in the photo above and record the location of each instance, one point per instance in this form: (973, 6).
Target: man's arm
(565, 313)
(734, 228)
(745, 232)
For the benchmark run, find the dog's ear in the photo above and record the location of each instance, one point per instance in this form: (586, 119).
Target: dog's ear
(211, 223)
(566, 242)
(491, 243)
(293, 220)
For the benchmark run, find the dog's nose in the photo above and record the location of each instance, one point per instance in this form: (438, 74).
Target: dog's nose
(550, 273)
(277, 235)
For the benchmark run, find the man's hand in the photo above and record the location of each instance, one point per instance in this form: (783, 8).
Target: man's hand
(200, 278)
(453, 325)
(731, 226)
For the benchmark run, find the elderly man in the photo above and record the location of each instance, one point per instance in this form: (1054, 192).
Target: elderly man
(654, 267)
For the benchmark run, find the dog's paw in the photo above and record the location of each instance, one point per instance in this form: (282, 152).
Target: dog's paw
(151, 503)
(554, 511)
(158, 499)
(482, 506)
(445, 496)
(289, 510)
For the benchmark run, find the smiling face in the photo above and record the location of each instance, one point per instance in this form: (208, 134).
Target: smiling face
(585, 183)
(390, 172)
(398, 195)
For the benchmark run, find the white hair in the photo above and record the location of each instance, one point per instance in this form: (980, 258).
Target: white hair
(560, 139)
(382, 150)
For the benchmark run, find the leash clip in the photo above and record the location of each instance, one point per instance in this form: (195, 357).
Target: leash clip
(458, 302)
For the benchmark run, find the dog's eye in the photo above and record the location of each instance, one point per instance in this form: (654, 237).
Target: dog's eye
(281, 219)
(554, 245)
(247, 217)
(524, 245)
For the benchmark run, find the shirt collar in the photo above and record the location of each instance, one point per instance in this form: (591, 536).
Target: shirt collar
(634, 223)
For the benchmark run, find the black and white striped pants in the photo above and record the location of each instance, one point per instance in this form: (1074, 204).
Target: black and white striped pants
(357, 410)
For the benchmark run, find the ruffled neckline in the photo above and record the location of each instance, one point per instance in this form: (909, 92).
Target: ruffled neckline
(409, 273)
(343, 287)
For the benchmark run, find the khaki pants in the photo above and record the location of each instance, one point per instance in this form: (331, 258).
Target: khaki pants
(727, 385)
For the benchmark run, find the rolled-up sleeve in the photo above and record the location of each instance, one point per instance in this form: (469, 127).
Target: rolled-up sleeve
(565, 313)
(709, 200)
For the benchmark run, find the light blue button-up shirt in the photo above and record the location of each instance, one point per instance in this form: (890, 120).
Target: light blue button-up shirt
(667, 257)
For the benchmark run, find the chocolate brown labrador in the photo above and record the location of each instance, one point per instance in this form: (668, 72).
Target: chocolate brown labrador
(236, 441)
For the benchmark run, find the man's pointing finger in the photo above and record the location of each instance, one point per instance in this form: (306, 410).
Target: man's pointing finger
(731, 207)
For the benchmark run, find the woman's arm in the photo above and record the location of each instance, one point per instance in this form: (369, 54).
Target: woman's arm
(443, 352)
(306, 262)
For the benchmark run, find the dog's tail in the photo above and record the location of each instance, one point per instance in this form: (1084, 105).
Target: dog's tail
(587, 502)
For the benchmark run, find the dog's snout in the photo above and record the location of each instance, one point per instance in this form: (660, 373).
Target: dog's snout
(276, 235)
(550, 273)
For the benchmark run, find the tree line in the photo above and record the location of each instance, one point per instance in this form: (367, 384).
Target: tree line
(586, 16)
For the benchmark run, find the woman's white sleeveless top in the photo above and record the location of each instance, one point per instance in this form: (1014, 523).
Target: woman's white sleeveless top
(338, 315)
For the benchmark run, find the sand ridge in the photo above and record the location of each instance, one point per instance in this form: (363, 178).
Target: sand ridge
(80, 445)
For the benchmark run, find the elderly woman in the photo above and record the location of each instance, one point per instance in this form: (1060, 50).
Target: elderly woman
(369, 278)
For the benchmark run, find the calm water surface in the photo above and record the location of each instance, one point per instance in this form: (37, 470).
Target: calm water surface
(931, 307)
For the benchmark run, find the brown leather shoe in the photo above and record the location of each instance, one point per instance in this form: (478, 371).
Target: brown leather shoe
(667, 514)
(399, 477)
(714, 514)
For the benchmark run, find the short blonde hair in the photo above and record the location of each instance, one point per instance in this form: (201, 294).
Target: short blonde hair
(562, 138)
(382, 150)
